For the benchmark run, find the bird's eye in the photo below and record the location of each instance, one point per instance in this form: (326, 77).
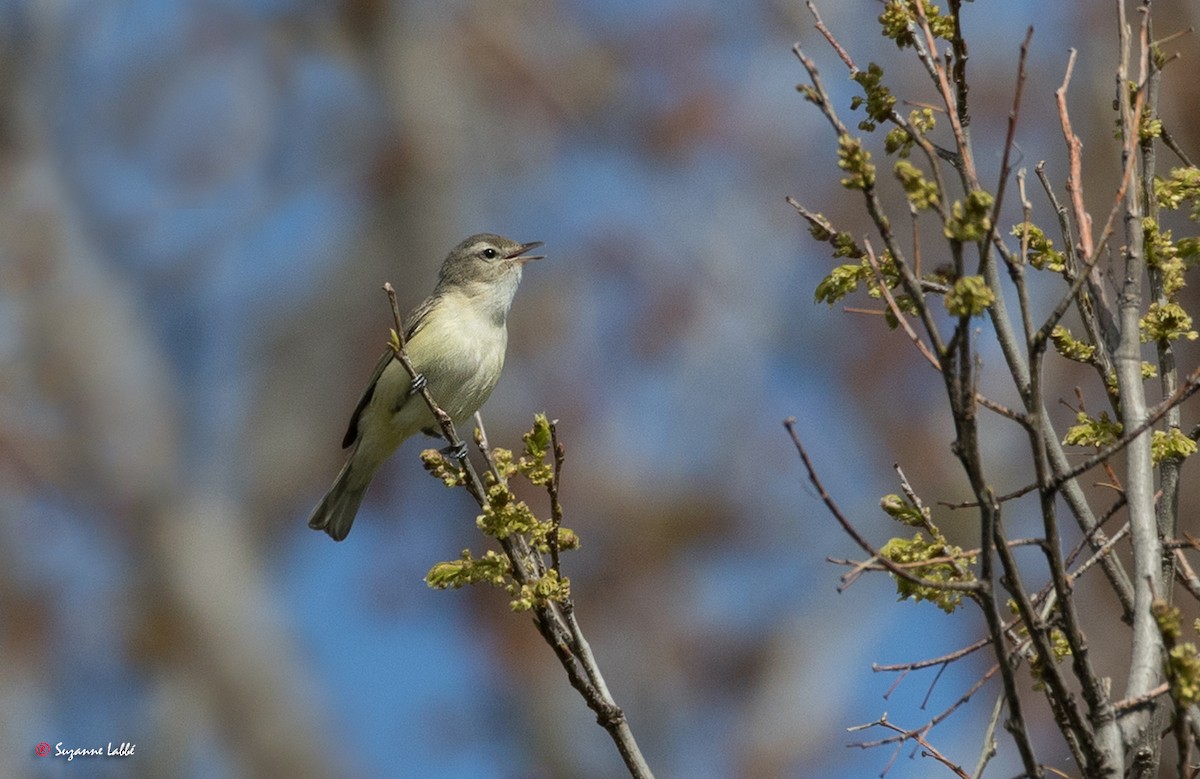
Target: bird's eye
(490, 253)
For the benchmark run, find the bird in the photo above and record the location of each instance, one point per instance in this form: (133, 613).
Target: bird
(456, 339)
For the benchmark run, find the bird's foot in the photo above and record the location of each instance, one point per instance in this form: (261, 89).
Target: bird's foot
(457, 452)
(418, 384)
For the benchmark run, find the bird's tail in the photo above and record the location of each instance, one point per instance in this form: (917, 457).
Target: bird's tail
(335, 513)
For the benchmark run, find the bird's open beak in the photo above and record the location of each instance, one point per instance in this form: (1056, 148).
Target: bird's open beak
(520, 256)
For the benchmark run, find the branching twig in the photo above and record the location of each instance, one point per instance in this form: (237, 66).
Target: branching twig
(1083, 220)
(863, 543)
(901, 319)
(909, 735)
(820, 25)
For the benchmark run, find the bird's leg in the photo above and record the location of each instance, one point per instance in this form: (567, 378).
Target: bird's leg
(456, 452)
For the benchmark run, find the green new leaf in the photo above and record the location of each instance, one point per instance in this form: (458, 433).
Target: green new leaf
(567, 539)
(1042, 254)
(856, 161)
(1188, 250)
(1149, 128)
(921, 193)
(906, 305)
(903, 511)
(899, 22)
(1060, 648)
(843, 280)
(537, 440)
(490, 569)
(533, 465)
(1166, 322)
(1183, 184)
(844, 246)
(810, 94)
(504, 515)
(947, 564)
(550, 587)
(443, 468)
(1089, 431)
(1183, 671)
(900, 141)
(1163, 255)
(970, 296)
(970, 219)
(506, 466)
(1171, 444)
(1070, 347)
(878, 100)
(1170, 625)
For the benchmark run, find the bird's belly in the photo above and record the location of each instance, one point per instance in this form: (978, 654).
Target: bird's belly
(461, 373)
(462, 382)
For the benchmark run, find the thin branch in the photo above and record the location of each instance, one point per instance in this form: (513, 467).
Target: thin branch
(863, 543)
(929, 663)
(1130, 705)
(912, 285)
(905, 735)
(954, 110)
(1186, 574)
(1126, 175)
(1100, 553)
(1009, 138)
(989, 739)
(917, 736)
(1002, 410)
(556, 510)
(1083, 220)
(1077, 276)
(1171, 144)
(841, 52)
(895, 309)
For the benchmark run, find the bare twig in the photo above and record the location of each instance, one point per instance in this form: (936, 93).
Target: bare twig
(863, 543)
(1186, 574)
(1129, 705)
(556, 510)
(908, 735)
(1169, 141)
(942, 660)
(820, 25)
(1009, 138)
(988, 751)
(1001, 409)
(1083, 220)
(895, 309)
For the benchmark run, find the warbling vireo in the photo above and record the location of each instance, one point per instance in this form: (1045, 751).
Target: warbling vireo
(456, 340)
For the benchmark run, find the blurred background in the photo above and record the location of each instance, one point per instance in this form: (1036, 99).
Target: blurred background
(200, 201)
